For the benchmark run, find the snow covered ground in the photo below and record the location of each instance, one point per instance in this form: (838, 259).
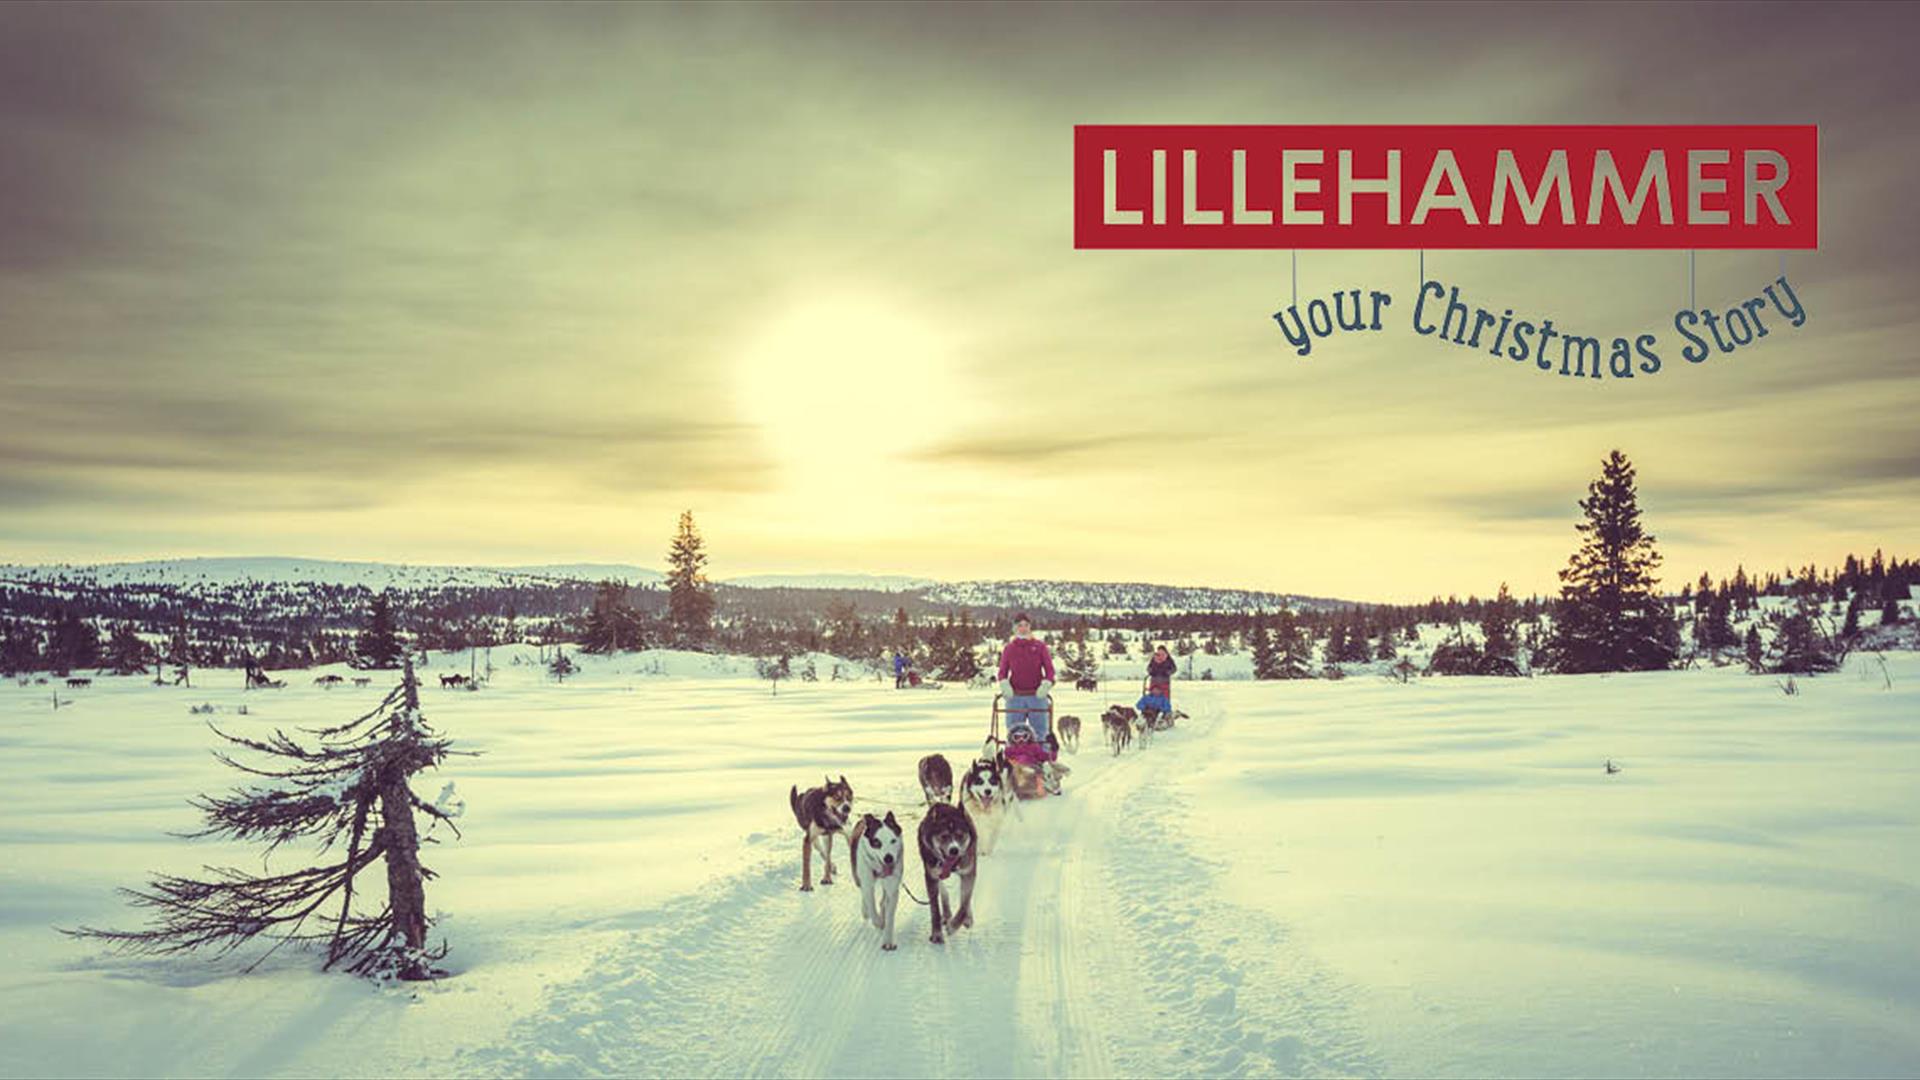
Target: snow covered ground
(1354, 877)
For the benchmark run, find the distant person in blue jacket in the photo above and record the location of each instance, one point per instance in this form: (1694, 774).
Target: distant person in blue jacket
(899, 670)
(1159, 696)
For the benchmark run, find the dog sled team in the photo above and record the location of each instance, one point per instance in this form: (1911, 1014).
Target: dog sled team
(955, 832)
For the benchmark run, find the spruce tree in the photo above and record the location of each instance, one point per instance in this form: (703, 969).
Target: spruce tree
(612, 624)
(1801, 644)
(1293, 649)
(1610, 617)
(19, 648)
(901, 639)
(1335, 650)
(962, 660)
(379, 646)
(689, 597)
(72, 644)
(1498, 649)
(1266, 658)
(127, 654)
(1713, 628)
(350, 783)
(1385, 649)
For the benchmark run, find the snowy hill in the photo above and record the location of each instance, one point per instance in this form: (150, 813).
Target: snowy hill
(1071, 597)
(294, 571)
(1092, 597)
(874, 582)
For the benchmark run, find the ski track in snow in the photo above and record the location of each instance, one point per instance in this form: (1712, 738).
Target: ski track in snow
(1098, 949)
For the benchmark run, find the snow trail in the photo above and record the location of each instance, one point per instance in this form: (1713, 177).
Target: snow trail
(1098, 948)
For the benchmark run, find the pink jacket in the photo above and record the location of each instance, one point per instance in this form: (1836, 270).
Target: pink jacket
(1024, 663)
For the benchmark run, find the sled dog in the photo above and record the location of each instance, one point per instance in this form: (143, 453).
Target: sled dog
(948, 847)
(1087, 684)
(821, 812)
(984, 792)
(1118, 721)
(876, 852)
(1070, 733)
(936, 778)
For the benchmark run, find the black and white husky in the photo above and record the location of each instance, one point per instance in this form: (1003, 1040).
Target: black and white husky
(877, 849)
(948, 849)
(984, 793)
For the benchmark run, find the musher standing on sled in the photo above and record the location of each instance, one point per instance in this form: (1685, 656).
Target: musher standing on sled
(1026, 681)
(1159, 695)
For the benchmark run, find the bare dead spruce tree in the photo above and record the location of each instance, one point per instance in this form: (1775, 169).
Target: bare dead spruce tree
(349, 783)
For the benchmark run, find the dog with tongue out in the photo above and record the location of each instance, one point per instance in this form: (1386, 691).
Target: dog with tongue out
(947, 844)
(876, 847)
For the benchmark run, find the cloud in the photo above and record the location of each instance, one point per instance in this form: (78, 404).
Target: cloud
(283, 262)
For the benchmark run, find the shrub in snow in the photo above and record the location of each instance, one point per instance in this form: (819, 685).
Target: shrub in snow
(351, 783)
(1803, 643)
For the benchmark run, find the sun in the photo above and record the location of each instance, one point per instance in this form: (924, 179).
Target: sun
(843, 388)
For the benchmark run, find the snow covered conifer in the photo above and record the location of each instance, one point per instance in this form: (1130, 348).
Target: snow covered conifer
(1266, 659)
(1079, 659)
(1890, 609)
(612, 624)
(349, 783)
(379, 644)
(127, 654)
(1802, 643)
(72, 643)
(689, 597)
(1498, 648)
(1293, 648)
(1610, 617)
(1386, 649)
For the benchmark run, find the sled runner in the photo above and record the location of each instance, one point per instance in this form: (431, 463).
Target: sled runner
(1033, 772)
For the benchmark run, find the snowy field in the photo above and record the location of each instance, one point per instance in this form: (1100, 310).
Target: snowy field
(1353, 877)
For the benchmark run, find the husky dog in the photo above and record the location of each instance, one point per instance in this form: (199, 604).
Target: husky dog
(936, 778)
(984, 790)
(876, 849)
(1118, 720)
(822, 812)
(947, 847)
(1069, 727)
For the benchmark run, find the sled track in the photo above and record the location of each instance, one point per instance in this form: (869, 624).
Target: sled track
(1099, 948)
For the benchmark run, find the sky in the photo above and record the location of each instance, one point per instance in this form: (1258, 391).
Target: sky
(499, 284)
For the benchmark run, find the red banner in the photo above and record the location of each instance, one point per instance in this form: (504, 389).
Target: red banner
(1446, 186)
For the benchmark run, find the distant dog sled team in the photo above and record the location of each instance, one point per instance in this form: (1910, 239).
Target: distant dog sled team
(961, 820)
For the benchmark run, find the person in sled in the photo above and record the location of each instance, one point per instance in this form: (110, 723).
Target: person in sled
(1026, 683)
(1158, 700)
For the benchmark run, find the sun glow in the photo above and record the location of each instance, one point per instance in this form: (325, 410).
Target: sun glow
(845, 390)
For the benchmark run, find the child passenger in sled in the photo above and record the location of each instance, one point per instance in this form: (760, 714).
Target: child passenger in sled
(1026, 681)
